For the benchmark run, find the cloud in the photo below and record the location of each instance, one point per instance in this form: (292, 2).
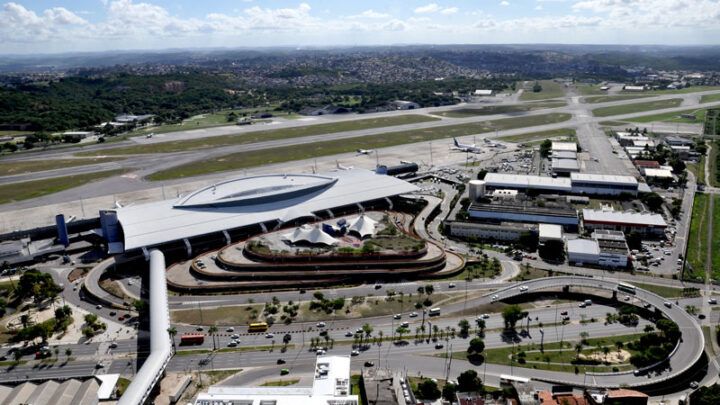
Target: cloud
(21, 24)
(449, 10)
(394, 25)
(504, 3)
(430, 8)
(538, 7)
(369, 14)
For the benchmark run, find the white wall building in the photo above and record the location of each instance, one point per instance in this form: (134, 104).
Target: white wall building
(331, 385)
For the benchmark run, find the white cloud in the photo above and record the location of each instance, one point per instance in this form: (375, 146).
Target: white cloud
(449, 10)
(538, 7)
(394, 25)
(21, 24)
(504, 3)
(370, 14)
(430, 8)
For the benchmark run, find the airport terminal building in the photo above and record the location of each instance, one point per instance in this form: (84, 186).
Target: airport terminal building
(265, 202)
(578, 183)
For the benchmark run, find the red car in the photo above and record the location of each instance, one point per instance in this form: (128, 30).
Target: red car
(121, 318)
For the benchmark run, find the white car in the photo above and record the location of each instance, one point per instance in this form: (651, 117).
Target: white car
(484, 316)
(451, 285)
(413, 314)
(235, 336)
(320, 352)
(397, 316)
(98, 306)
(355, 353)
(494, 297)
(320, 324)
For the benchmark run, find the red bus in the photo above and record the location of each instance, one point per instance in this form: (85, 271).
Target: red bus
(192, 339)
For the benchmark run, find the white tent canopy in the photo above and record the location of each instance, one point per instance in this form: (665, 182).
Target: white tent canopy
(310, 234)
(363, 225)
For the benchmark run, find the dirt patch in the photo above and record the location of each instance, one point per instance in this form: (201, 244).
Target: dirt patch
(114, 288)
(614, 356)
(77, 274)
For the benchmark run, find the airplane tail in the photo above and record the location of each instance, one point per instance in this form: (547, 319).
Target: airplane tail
(456, 142)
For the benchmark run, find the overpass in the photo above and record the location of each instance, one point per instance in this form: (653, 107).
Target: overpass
(686, 353)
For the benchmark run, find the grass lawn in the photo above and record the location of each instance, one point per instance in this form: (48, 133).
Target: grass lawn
(296, 152)
(550, 89)
(15, 133)
(552, 133)
(606, 99)
(499, 109)
(636, 107)
(697, 242)
(355, 387)
(9, 168)
(613, 123)
(709, 98)
(698, 169)
(260, 136)
(661, 290)
(38, 188)
(589, 89)
(121, 386)
(715, 244)
(553, 354)
(673, 117)
(712, 163)
(280, 383)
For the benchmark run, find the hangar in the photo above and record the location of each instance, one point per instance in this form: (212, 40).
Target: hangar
(256, 200)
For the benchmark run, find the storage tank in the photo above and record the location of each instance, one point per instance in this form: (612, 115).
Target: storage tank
(477, 189)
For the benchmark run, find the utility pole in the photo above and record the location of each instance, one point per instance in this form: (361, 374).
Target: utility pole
(431, 157)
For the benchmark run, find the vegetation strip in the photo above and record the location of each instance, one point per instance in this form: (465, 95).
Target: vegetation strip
(498, 109)
(306, 151)
(38, 188)
(262, 136)
(636, 107)
(29, 166)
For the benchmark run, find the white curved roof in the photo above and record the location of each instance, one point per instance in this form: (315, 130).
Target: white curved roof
(198, 214)
(310, 234)
(363, 225)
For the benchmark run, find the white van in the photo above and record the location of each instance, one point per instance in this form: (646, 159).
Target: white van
(434, 311)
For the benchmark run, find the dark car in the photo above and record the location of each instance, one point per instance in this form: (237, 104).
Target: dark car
(112, 313)
(280, 361)
(369, 364)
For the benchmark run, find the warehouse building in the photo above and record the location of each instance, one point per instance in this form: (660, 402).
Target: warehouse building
(644, 223)
(565, 166)
(578, 183)
(525, 211)
(548, 232)
(564, 154)
(564, 147)
(504, 231)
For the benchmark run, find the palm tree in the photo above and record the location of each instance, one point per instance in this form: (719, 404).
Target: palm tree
(578, 349)
(212, 330)
(606, 350)
(68, 353)
(172, 332)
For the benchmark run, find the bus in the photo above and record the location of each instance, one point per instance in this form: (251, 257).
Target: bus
(434, 311)
(508, 380)
(626, 288)
(192, 339)
(258, 327)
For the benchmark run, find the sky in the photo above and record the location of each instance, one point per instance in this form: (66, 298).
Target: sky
(57, 26)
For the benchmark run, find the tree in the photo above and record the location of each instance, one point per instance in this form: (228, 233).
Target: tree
(368, 330)
(537, 88)
(653, 200)
(634, 240)
(578, 349)
(464, 326)
(529, 241)
(481, 325)
(286, 339)
(421, 290)
(449, 392)
(212, 330)
(401, 331)
(428, 389)
(481, 174)
(476, 347)
(468, 381)
(706, 395)
(68, 353)
(511, 315)
(429, 289)
(172, 332)
(552, 250)
(545, 148)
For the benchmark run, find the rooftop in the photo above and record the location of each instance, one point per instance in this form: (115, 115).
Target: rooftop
(526, 181)
(625, 393)
(585, 246)
(251, 200)
(568, 146)
(550, 231)
(623, 218)
(565, 164)
(658, 173)
(602, 178)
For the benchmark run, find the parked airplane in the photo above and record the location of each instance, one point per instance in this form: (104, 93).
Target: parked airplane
(341, 167)
(365, 151)
(466, 148)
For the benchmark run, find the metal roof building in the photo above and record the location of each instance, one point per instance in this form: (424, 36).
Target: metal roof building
(565, 165)
(564, 146)
(243, 202)
(623, 221)
(564, 154)
(522, 181)
(588, 183)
